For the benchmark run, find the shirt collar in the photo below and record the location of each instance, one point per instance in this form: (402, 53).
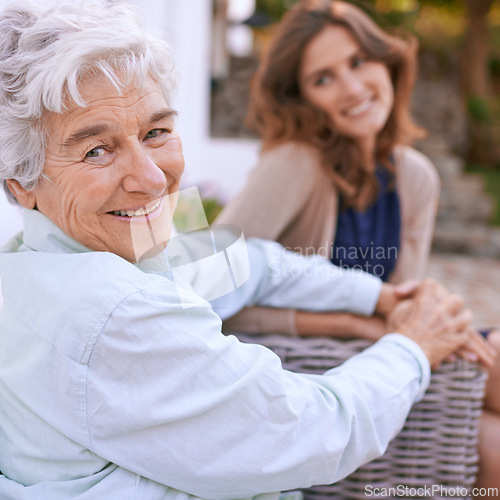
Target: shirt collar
(42, 235)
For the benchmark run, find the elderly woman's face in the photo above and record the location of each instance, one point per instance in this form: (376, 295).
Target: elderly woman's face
(110, 166)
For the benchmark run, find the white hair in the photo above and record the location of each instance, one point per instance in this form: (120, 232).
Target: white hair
(44, 54)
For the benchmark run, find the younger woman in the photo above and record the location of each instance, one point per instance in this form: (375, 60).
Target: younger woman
(336, 176)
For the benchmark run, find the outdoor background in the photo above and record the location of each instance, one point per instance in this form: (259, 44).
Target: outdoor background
(457, 99)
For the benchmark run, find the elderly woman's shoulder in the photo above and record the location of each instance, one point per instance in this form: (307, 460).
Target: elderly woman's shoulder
(108, 275)
(80, 280)
(49, 294)
(102, 265)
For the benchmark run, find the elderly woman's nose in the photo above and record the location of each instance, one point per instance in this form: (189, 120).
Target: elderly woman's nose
(142, 174)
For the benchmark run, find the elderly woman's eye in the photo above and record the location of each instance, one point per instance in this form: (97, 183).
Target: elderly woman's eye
(95, 153)
(154, 133)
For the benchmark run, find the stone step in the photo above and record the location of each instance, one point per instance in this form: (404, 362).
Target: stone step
(449, 167)
(435, 147)
(467, 238)
(467, 183)
(463, 199)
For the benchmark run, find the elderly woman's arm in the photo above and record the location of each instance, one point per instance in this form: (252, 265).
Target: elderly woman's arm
(169, 398)
(281, 279)
(281, 318)
(210, 416)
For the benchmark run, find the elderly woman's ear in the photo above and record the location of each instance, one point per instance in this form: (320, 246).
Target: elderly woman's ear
(26, 198)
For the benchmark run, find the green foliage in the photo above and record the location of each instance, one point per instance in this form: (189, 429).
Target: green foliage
(495, 66)
(491, 178)
(396, 5)
(188, 213)
(274, 8)
(442, 3)
(440, 28)
(212, 207)
(479, 109)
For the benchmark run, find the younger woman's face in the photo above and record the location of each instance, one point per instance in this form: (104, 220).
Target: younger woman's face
(336, 76)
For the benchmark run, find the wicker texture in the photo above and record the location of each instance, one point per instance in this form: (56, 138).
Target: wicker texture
(438, 444)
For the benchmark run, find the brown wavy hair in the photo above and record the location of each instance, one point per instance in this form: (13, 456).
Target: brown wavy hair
(279, 113)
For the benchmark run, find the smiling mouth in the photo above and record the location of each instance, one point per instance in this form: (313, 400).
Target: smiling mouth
(359, 108)
(146, 210)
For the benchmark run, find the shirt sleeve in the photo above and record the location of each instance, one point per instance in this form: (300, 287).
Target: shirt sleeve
(283, 279)
(172, 399)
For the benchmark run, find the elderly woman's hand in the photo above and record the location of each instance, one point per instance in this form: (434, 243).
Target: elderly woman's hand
(438, 322)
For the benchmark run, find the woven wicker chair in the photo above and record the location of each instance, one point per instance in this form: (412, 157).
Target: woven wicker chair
(438, 444)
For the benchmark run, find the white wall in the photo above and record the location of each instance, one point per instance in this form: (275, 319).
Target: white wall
(225, 161)
(10, 219)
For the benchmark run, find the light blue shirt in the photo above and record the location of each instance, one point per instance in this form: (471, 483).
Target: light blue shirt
(111, 388)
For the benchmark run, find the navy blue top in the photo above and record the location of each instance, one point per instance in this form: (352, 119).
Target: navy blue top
(370, 240)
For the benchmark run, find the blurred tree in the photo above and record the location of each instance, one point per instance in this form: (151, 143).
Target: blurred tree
(476, 79)
(274, 8)
(476, 63)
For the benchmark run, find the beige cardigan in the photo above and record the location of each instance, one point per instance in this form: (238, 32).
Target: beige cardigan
(289, 198)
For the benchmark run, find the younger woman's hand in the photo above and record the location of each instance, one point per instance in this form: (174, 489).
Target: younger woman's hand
(477, 349)
(391, 295)
(407, 289)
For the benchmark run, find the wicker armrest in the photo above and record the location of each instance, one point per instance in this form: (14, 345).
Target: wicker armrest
(438, 444)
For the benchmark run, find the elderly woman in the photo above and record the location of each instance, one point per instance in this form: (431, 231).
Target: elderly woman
(115, 382)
